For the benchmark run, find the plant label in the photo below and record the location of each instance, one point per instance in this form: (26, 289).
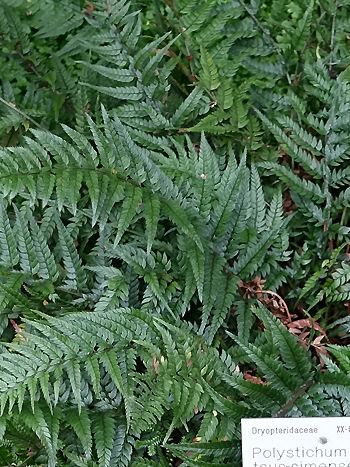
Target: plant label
(296, 442)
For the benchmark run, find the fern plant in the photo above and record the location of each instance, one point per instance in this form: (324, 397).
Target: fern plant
(314, 170)
(89, 384)
(173, 226)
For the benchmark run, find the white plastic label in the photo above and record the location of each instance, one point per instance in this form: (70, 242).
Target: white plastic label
(296, 442)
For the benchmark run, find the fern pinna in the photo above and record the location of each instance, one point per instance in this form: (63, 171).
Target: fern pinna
(160, 193)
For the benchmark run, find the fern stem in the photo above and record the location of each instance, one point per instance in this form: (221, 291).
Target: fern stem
(189, 73)
(334, 19)
(20, 112)
(290, 403)
(179, 87)
(266, 33)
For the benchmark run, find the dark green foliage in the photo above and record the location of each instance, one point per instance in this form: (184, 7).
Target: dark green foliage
(174, 240)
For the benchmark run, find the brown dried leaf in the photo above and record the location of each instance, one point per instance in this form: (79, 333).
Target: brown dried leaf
(253, 379)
